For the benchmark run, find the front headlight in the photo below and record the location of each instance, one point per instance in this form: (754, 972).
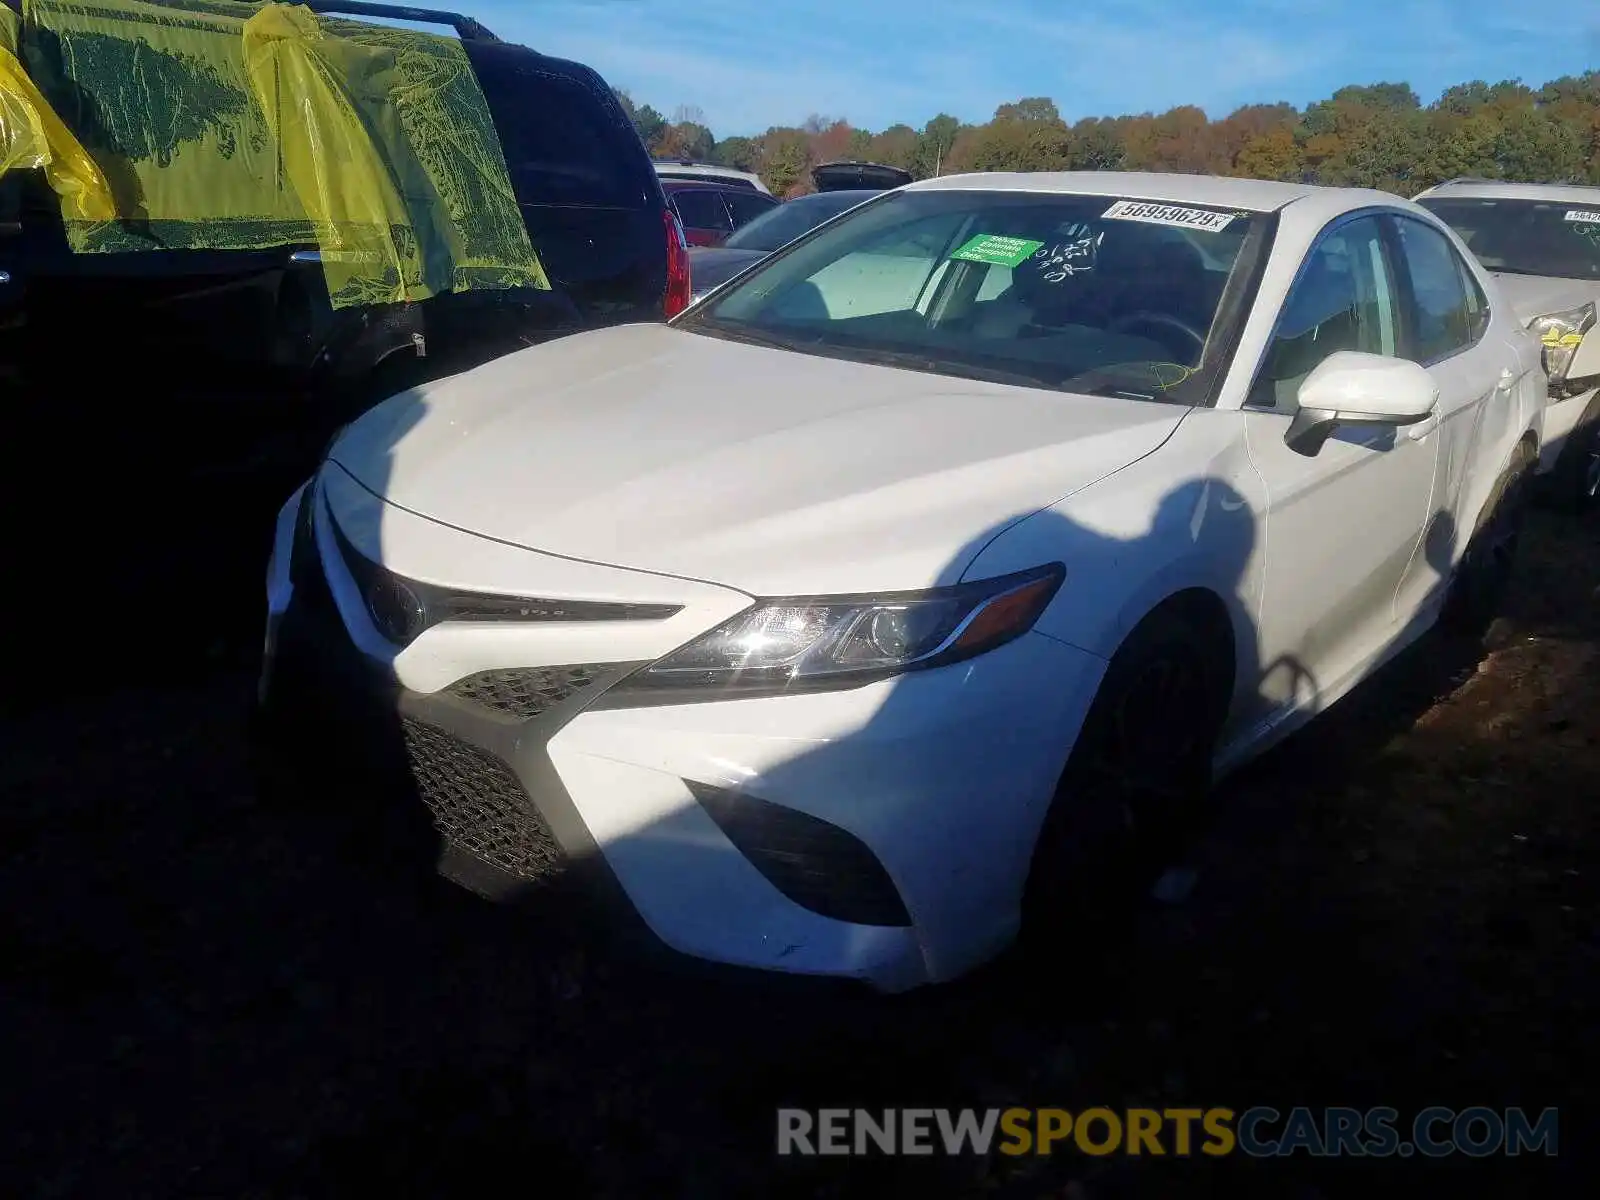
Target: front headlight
(826, 642)
(1561, 334)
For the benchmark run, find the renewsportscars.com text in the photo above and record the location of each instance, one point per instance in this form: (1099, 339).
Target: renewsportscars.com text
(1259, 1132)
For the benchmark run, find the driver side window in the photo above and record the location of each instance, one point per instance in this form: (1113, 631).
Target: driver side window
(1343, 300)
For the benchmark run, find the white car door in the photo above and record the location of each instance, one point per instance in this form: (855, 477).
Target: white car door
(1448, 330)
(1342, 526)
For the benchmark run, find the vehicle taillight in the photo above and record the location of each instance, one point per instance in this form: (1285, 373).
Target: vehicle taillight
(678, 287)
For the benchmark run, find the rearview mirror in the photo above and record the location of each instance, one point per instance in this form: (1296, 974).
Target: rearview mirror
(1352, 388)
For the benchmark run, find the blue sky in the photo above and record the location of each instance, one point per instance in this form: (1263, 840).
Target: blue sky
(749, 64)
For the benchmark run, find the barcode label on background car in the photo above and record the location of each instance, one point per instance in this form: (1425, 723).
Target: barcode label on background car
(1586, 216)
(1169, 214)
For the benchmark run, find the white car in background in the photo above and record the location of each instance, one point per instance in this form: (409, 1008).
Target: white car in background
(849, 629)
(1542, 243)
(708, 172)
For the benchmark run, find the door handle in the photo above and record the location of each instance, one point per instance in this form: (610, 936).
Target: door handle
(1507, 378)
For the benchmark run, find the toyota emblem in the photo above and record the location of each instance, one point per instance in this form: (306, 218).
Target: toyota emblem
(396, 610)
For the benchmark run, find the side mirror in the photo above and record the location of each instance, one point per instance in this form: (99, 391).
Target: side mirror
(1352, 388)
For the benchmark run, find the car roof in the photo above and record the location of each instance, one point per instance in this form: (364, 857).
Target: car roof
(688, 169)
(1250, 195)
(1494, 189)
(679, 183)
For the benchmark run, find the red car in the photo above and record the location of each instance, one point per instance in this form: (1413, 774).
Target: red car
(711, 210)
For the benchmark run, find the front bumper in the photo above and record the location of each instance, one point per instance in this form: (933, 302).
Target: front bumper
(881, 833)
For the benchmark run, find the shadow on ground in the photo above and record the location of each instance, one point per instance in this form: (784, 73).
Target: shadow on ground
(200, 995)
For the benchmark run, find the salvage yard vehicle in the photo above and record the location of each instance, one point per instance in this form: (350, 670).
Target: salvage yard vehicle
(853, 175)
(850, 633)
(710, 210)
(712, 266)
(840, 186)
(708, 172)
(1542, 243)
(258, 220)
(236, 180)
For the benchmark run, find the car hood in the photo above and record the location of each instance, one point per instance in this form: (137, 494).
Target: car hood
(1537, 295)
(712, 265)
(778, 473)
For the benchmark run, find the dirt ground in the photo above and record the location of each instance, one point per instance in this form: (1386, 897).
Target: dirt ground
(200, 995)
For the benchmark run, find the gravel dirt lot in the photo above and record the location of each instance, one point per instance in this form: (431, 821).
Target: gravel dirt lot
(203, 995)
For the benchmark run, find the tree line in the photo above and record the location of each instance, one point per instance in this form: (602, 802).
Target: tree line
(1372, 135)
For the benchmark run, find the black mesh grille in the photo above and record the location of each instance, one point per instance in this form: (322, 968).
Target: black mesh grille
(813, 862)
(524, 692)
(478, 805)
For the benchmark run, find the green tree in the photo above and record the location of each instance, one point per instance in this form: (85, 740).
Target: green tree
(783, 159)
(1030, 108)
(1022, 145)
(1253, 124)
(1460, 146)
(651, 125)
(1470, 99)
(686, 140)
(737, 152)
(1096, 145)
(1539, 148)
(934, 144)
(896, 146)
(1366, 135)
(1177, 140)
(1271, 155)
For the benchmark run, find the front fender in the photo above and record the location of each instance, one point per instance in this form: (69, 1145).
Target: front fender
(1147, 532)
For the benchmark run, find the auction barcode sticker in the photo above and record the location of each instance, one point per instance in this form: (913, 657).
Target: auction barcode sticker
(1169, 214)
(1586, 216)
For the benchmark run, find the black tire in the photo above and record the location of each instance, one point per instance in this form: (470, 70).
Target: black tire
(1484, 573)
(1574, 485)
(1135, 786)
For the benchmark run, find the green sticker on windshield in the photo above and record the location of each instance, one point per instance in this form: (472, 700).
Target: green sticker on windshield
(996, 250)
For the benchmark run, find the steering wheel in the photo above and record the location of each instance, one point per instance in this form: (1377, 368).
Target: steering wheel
(1144, 317)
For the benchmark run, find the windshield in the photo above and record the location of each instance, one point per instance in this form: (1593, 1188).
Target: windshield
(1560, 239)
(781, 225)
(1080, 293)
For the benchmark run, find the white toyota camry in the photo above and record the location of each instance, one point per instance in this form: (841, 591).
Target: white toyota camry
(847, 623)
(1542, 244)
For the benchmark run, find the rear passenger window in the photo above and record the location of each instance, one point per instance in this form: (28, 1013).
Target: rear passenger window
(560, 145)
(1442, 320)
(701, 210)
(748, 208)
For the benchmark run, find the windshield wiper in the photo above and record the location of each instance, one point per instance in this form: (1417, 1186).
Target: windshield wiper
(1115, 389)
(770, 341)
(946, 366)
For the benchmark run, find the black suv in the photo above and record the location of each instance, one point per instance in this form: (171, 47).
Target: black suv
(188, 391)
(588, 193)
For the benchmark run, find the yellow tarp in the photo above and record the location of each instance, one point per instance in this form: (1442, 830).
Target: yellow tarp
(32, 136)
(329, 157)
(224, 125)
